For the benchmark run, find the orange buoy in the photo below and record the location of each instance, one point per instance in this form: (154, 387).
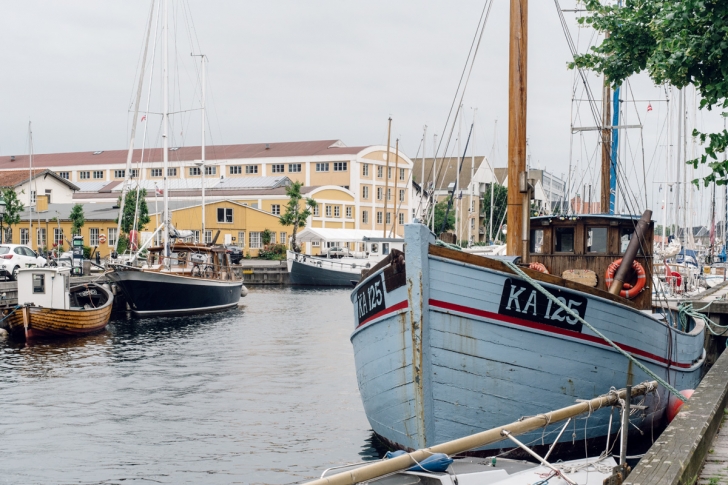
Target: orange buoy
(674, 404)
(628, 291)
(538, 267)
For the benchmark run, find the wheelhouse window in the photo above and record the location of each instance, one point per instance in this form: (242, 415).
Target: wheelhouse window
(625, 236)
(564, 239)
(38, 283)
(224, 215)
(536, 242)
(596, 240)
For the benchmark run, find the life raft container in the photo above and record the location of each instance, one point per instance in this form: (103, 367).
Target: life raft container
(628, 291)
(538, 267)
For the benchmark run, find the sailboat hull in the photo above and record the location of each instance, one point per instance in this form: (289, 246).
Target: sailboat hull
(151, 293)
(452, 348)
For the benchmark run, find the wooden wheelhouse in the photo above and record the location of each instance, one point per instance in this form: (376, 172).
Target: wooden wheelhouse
(592, 243)
(192, 259)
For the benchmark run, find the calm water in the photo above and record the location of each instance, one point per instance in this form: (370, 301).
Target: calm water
(266, 394)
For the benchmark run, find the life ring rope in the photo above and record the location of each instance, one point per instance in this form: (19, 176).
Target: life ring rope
(628, 291)
(536, 266)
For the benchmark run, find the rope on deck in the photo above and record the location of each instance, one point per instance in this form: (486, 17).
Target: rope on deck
(686, 310)
(571, 312)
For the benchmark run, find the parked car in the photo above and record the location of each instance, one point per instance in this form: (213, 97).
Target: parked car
(16, 256)
(334, 252)
(236, 253)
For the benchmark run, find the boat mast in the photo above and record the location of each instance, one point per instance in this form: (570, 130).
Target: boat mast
(202, 161)
(396, 195)
(518, 197)
(127, 172)
(433, 201)
(458, 209)
(30, 183)
(386, 179)
(605, 195)
(165, 129)
(471, 209)
(422, 180)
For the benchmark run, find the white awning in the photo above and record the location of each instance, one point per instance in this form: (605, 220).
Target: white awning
(340, 235)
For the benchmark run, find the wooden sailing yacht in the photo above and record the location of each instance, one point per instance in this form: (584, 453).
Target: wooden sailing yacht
(448, 343)
(180, 278)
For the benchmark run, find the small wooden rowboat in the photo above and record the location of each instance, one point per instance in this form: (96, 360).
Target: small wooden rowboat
(49, 307)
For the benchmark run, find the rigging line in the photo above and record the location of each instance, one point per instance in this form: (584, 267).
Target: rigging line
(642, 141)
(485, 14)
(455, 186)
(170, 113)
(139, 58)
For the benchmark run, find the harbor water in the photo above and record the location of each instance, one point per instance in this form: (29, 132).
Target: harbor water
(264, 394)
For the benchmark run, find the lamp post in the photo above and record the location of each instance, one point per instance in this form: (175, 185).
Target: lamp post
(2, 216)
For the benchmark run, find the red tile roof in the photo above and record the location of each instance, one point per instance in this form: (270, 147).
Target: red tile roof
(213, 152)
(13, 178)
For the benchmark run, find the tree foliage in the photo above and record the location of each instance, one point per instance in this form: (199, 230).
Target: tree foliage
(297, 213)
(500, 204)
(677, 42)
(77, 219)
(127, 220)
(13, 208)
(440, 210)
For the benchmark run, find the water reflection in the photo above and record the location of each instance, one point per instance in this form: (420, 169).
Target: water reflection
(266, 394)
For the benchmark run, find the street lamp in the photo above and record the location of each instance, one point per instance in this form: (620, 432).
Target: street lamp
(2, 216)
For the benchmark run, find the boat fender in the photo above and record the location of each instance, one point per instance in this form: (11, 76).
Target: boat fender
(628, 291)
(3, 333)
(674, 404)
(243, 291)
(538, 267)
(677, 277)
(437, 463)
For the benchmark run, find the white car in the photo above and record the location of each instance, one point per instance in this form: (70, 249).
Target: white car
(16, 256)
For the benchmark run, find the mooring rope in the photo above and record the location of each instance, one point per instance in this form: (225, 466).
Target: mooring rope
(686, 310)
(575, 315)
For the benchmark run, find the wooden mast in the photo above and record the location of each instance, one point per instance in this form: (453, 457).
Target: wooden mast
(386, 178)
(396, 196)
(606, 145)
(518, 197)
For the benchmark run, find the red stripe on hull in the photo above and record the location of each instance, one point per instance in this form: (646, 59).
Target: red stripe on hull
(397, 306)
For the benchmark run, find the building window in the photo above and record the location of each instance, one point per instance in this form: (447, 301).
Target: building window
(401, 174)
(277, 168)
(156, 172)
(196, 236)
(316, 243)
(322, 167)
(380, 172)
(84, 175)
(93, 235)
(379, 217)
(316, 211)
(380, 192)
(337, 211)
(112, 236)
(401, 218)
(33, 197)
(24, 236)
(365, 169)
(98, 174)
(64, 175)
(389, 217)
(389, 173)
(365, 217)
(389, 194)
(365, 192)
(284, 238)
(348, 212)
(401, 195)
(134, 173)
(212, 170)
(119, 174)
(251, 169)
(224, 215)
(58, 236)
(241, 239)
(275, 209)
(340, 166)
(255, 240)
(171, 172)
(294, 167)
(328, 210)
(236, 169)
(194, 171)
(208, 236)
(272, 238)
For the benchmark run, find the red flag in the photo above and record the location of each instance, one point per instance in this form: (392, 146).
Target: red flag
(649, 107)
(145, 117)
(158, 191)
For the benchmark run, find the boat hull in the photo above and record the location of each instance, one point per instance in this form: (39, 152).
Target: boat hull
(151, 293)
(311, 275)
(440, 356)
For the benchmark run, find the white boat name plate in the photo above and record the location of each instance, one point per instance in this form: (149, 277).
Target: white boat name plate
(521, 300)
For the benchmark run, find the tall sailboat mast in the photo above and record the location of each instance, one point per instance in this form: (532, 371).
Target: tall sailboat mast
(518, 197)
(165, 130)
(30, 184)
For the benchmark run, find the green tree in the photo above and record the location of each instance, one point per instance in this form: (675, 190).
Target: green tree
(266, 236)
(130, 202)
(440, 209)
(297, 213)
(13, 208)
(499, 193)
(678, 42)
(77, 219)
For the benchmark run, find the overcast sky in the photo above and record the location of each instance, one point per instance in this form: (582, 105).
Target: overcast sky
(304, 70)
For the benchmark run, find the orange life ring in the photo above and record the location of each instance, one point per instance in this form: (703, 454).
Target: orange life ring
(628, 291)
(538, 267)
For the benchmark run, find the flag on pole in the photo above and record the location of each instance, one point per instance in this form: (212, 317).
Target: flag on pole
(144, 117)
(649, 107)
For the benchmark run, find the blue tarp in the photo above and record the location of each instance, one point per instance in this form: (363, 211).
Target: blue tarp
(438, 462)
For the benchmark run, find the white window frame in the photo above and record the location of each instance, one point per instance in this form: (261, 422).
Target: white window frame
(251, 169)
(41, 238)
(210, 169)
(389, 217)
(227, 215)
(380, 217)
(256, 242)
(58, 236)
(328, 210)
(241, 239)
(112, 236)
(33, 197)
(93, 236)
(401, 174)
(84, 175)
(316, 211)
(235, 169)
(365, 217)
(337, 211)
(119, 174)
(24, 236)
(277, 168)
(380, 193)
(365, 169)
(134, 173)
(156, 172)
(195, 171)
(322, 166)
(284, 238)
(208, 236)
(172, 172)
(294, 168)
(365, 192)
(380, 172)
(401, 218)
(349, 212)
(275, 209)
(98, 174)
(401, 195)
(65, 175)
(341, 166)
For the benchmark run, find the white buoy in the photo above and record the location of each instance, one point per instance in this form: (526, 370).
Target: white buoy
(3, 333)
(243, 291)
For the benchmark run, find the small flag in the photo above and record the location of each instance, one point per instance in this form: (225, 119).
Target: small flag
(144, 117)
(649, 107)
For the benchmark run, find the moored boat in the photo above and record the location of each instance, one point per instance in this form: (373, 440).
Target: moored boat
(49, 307)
